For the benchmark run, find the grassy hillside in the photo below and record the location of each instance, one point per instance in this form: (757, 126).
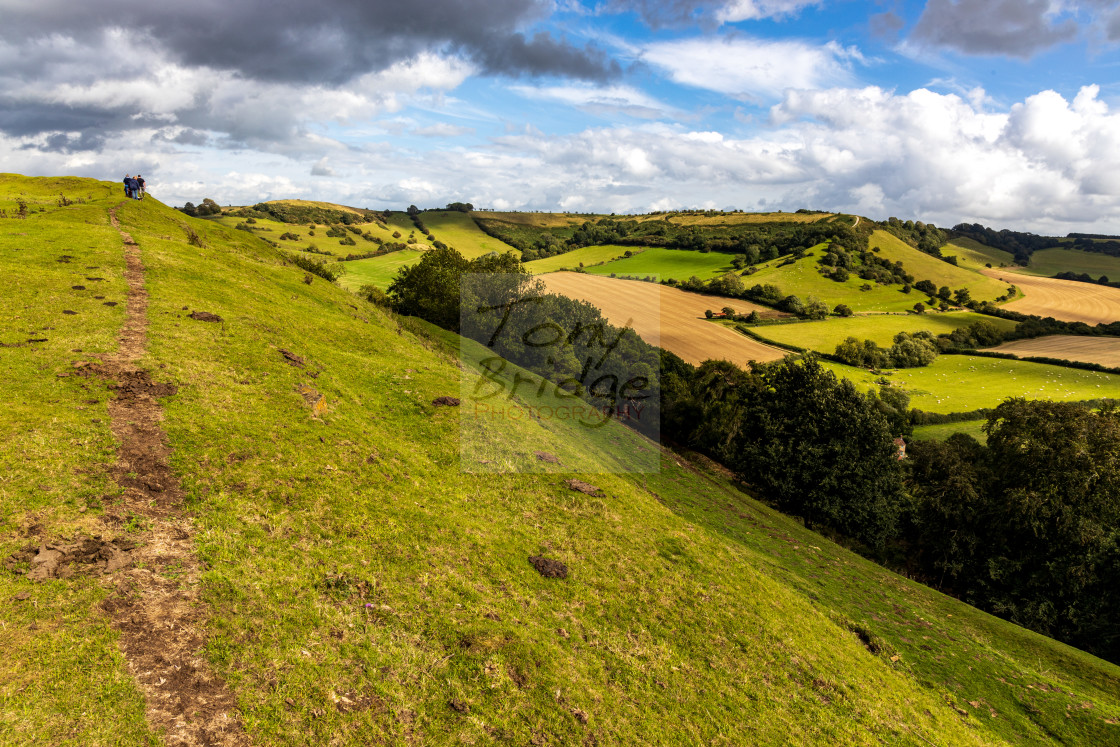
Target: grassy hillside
(962, 383)
(588, 255)
(459, 230)
(924, 267)
(378, 271)
(802, 279)
(361, 588)
(680, 264)
(1050, 262)
(826, 334)
(972, 255)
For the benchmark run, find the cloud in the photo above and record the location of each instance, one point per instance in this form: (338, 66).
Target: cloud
(604, 101)
(668, 13)
(443, 129)
(751, 10)
(321, 168)
(1017, 28)
(329, 41)
(741, 66)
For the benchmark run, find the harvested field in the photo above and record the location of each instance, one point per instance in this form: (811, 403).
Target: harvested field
(671, 318)
(1067, 300)
(1102, 350)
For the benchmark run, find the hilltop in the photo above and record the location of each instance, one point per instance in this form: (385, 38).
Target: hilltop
(349, 583)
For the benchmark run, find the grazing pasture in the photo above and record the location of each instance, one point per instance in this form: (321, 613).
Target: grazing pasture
(669, 317)
(1102, 350)
(588, 255)
(1067, 300)
(736, 219)
(961, 383)
(826, 334)
(679, 264)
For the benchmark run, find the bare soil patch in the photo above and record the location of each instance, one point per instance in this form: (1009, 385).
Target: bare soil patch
(549, 567)
(1067, 300)
(1102, 350)
(85, 556)
(669, 317)
(583, 487)
(204, 316)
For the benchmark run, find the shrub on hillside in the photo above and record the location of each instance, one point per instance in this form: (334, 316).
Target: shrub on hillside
(330, 272)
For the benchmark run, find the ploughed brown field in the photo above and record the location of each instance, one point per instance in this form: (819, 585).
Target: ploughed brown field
(1102, 350)
(1067, 300)
(671, 318)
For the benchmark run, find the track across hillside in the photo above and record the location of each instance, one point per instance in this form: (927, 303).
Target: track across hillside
(671, 318)
(1067, 300)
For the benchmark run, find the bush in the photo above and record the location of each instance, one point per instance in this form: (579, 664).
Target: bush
(331, 272)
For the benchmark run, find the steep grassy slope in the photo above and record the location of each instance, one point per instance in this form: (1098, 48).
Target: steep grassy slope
(363, 589)
(924, 267)
(972, 255)
(459, 230)
(802, 279)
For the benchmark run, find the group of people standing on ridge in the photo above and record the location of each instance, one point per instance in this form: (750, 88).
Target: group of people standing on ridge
(134, 187)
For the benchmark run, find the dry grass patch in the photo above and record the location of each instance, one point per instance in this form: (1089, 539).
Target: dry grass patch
(669, 317)
(1067, 300)
(1102, 350)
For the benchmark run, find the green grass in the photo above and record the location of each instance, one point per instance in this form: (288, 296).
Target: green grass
(588, 256)
(680, 264)
(924, 267)
(458, 230)
(826, 334)
(802, 279)
(348, 555)
(378, 271)
(962, 383)
(974, 428)
(972, 255)
(1049, 262)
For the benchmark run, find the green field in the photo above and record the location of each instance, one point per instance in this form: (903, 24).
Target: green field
(826, 334)
(458, 230)
(588, 255)
(802, 279)
(972, 255)
(924, 267)
(962, 383)
(361, 586)
(1049, 262)
(679, 264)
(377, 271)
(974, 428)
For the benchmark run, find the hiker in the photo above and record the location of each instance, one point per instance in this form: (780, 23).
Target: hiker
(127, 185)
(134, 187)
(140, 184)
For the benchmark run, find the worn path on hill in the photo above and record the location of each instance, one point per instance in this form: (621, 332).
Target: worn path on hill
(155, 607)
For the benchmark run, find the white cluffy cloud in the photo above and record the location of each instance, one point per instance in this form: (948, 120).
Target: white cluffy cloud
(752, 10)
(748, 67)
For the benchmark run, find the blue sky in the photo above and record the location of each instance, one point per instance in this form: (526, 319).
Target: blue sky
(1002, 112)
